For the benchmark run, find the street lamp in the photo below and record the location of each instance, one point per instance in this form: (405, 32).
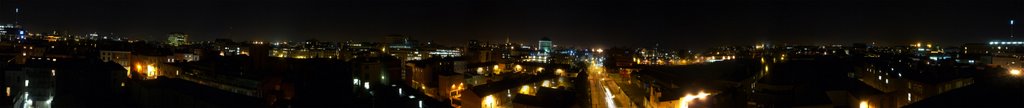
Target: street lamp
(1015, 72)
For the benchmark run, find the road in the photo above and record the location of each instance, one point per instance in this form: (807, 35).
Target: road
(604, 92)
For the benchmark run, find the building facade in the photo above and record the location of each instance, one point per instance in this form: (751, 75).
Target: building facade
(177, 39)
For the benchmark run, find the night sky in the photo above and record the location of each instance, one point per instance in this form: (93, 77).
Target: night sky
(583, 23)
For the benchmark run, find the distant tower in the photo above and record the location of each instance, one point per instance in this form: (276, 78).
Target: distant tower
(18, 29)
(1011, 28)
(177, 39)
(17, 23)
(17, 17)
(545, 45)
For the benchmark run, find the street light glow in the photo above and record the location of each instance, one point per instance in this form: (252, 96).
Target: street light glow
(489, 101)
(1015, 72)
(518, 68)
(864, 104)
(151, 71)
(684, 102)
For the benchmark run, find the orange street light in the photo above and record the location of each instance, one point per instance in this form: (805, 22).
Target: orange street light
(864, 104)
(684, 102)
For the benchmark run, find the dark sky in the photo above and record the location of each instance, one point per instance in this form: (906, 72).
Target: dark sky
(585, 23)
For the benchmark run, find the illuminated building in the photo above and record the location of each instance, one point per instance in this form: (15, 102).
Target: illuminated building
(545, 45)
(904, 81)
(183, 57)
(10, 32)
(306, 53)
(120, 57)
(434, 76)
(512, 94)
(446, 53)
(383, 70)
(177, 39)
(34, 84)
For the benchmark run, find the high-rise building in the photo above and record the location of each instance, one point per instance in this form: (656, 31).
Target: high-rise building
(13, 27)
(545, 45)
(177, 39)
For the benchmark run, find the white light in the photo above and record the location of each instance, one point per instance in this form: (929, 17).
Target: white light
(26, 83)
(366, 85)
(608, 98)
(48, 101)
(421, 104)
(411, 96)
(908, 97)
(489, 101)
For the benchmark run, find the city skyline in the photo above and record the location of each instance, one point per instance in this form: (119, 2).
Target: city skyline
(677, 24)
(511, 54)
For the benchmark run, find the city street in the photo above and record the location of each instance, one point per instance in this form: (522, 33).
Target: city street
(604, 91)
